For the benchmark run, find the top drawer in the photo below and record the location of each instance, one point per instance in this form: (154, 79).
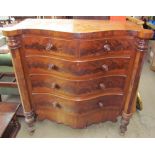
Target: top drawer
(98, 47)
(39, 45)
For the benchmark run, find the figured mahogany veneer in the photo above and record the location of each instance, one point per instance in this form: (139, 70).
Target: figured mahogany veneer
(74, 48)
(77, 72)
(55, 84)
(70, 68)
(78, 105)
(59, 109)
(40, 45)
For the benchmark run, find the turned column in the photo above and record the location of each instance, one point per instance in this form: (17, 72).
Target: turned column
(140, 48)
(14, 43)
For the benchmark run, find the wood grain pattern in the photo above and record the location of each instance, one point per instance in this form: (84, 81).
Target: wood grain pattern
(75, 121)
(78, 72)
(76, 106)
(105, 46)
(74, 68)
(82, 28)
(52, 46)
(47, 84)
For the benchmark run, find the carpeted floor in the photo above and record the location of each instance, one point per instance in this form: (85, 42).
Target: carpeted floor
(142, 123)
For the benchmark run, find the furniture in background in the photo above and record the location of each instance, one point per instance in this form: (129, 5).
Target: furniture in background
(78, 72)
(135, 20)
(4, 20)
(151, 54)
(9, 125)
(8, 85)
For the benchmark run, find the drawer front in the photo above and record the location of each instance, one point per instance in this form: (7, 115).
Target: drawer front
(105, 46)
(38, 45)
(44, 101)
(82, 68)
(50, 84)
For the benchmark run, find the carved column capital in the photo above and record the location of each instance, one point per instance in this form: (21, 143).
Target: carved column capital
(14, 42)
(141, 45)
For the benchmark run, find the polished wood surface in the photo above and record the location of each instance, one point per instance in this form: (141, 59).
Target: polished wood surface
(71, 68)
(75, 25)
(76, 107)
(55, 84)
(77, 72)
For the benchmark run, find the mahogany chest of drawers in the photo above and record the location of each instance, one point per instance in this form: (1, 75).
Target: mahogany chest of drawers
(77, 72)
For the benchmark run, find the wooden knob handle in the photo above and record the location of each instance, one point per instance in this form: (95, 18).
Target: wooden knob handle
(51, 66)
(100, 104)
(102, 86)
(107, 47)
(56, 104)
(53, 85)
(105, 67)
(49, 46)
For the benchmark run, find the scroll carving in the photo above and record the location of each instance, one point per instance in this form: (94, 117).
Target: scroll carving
(141, 45)
(14, 42)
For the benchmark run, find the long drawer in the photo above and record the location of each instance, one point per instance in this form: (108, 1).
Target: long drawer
(41, 45)
(91, 67)
(74, 105)
(50, 83)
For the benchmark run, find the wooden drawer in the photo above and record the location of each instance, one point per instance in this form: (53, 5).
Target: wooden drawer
(39, 45)
(100, 47)
(50, 84)
(88, 68)
(76, 106)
